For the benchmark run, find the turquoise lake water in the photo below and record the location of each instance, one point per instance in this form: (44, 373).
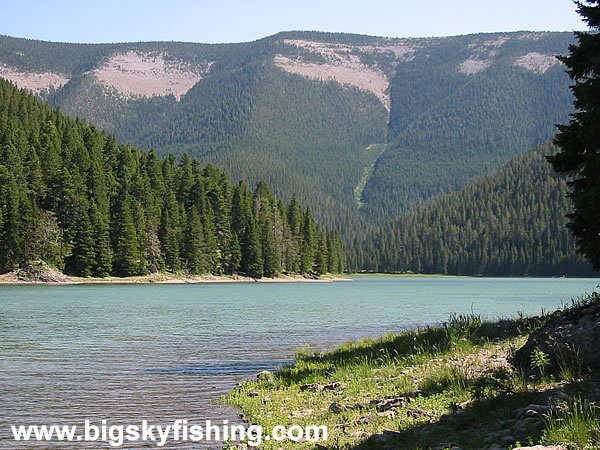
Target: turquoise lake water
(126, 353)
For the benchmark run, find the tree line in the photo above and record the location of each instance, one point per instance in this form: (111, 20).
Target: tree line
(77, 199)
(509, 223)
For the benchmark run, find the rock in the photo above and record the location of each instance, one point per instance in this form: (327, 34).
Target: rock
(417, 412)
(507, 441)
(450, 419)
(265, 375)
(491, 439)
(40, 271)
(364, 420)
(521, 435)
(386, 436)
(379, 437)
(496, 446)
(414, 393)
(447, 419)
(445, 446)
(337, 407)
(252, 394)
(357, 406)
(533, 411)
(332, 386)
(570, 338)
(390, 403)
(542, 447)
(529, 423)
(313, 387)
(564, 397)
(391, 434)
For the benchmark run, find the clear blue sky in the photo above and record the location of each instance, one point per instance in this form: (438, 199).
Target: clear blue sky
(246, 20)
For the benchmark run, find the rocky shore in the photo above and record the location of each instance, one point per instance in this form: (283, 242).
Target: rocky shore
(38, 272)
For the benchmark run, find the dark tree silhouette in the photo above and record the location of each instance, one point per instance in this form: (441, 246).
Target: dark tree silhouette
(579, 141)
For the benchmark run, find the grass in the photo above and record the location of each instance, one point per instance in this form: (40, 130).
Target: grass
(436, 386)
(575, 425)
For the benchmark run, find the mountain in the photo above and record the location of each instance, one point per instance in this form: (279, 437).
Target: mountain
(73, 197)
(362, 128)
(509, 223)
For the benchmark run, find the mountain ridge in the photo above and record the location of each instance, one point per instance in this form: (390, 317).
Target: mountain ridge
(299, 108)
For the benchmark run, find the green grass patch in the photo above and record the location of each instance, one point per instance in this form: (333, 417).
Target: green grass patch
(575, 425)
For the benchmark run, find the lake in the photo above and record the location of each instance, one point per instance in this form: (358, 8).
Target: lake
(126, 353)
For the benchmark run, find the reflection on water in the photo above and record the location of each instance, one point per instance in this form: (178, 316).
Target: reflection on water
(128, 353)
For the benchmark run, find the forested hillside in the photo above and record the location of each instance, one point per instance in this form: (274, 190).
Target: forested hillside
(361, 128)
(450, 127)
(511, 222)
(75, 198)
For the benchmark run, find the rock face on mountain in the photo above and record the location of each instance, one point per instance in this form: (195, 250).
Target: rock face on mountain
(570, 339)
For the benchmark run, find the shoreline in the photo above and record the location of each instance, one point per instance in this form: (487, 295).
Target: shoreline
(11, 279)
(406, 275)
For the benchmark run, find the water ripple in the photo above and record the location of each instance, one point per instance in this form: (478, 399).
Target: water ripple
(224, 367)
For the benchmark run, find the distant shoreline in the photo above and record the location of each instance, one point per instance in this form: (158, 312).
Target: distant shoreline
(10, 278)
(437, 275)
(406, 275)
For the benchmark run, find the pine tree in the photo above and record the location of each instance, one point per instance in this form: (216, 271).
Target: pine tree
(235, 252)
(127, 256)
(320, 266)
(580, 139)
(11, 236)
(82, 259)
(252, 262)
(307, 249)
(102, 263)
(269, 251)
(192, 252)
(169, 233)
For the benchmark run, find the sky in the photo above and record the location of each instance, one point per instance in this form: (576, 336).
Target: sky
(222, 21)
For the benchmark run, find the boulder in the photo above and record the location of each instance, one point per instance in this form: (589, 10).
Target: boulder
(265, 375)
(332, 386)
(39, 271)
(543, 447)
(570, 339)
(313, 387)
(337, 407)
(389, 403)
